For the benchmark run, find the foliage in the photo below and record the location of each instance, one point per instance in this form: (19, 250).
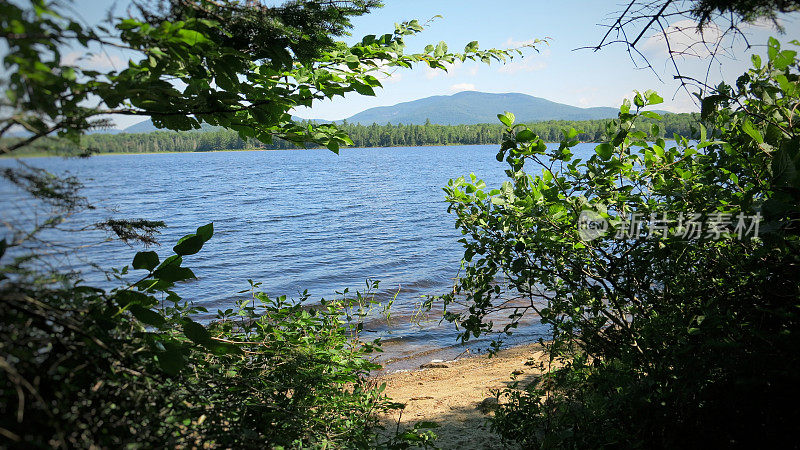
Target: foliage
(299, 30)
(199, 68)
(748, 10)
(82, 367)
(660, 337)
(136, 366)
(714, 29)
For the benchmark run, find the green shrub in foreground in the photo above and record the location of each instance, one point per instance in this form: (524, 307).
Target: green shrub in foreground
(668, 340)
(81, 367)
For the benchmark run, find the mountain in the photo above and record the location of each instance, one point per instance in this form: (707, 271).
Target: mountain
(18, 133)
(463, 108)
(471, 107)
(145, 126)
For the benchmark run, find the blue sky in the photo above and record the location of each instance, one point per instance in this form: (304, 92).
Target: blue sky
(558, 72)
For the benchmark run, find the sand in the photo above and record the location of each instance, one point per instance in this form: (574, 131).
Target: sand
(459, 396)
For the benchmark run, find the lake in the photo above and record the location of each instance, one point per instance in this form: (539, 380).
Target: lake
(295, 220)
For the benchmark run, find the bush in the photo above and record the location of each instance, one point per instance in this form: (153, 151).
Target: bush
(668, 338)
(81, 367)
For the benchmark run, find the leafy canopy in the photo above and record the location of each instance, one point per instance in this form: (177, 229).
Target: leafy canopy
(242, 67)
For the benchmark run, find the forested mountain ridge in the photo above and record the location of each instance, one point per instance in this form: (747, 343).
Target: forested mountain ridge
(463, 108)
(471, 107)
(372, 136)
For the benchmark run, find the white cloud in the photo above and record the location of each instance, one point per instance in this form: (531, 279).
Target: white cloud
(93, 61)
(528, 63)
(510, 42)
(431, 73)
(383, 72)
(587, 96)
(525, 65)
(765, 23)
(393, 77)
(462, 87)
(453, 69)
(682, 102)
(684, 40)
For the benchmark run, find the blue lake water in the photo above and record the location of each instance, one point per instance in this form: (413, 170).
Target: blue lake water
(293, 220)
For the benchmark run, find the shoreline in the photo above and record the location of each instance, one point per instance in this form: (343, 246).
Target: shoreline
(47, 155)
(170, 152)
(459, 395)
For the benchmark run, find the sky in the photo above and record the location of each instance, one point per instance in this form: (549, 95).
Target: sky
(559, 71)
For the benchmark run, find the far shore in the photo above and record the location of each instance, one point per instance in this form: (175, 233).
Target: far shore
(46, 155)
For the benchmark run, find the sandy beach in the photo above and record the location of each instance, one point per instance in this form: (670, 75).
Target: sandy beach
(458, 395)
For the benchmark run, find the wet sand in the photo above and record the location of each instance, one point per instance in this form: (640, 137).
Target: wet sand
(458, 395)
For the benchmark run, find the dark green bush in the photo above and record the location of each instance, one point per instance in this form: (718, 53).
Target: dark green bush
(81, 367)
(668, 340)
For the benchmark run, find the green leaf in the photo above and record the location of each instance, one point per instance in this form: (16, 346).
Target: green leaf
(748, 128)
(189, 245)
(604, 150)
(773, 47)
(192, 37)
(206, 232)
(626, 106)
(174, 274)
(333, 146)
(441, 49)
(571, 133)
(174, 260)
(525, 136)
(655, 130)
(147, 315)
(127, 297)
(651, 115)
(784, 59)
(653, 98)
(619, 138)
(128, 24)
(709, 105)
(171, 361)
(224, 348)
(364, 89)
(196, 332)
(507, 118)
(145, 260)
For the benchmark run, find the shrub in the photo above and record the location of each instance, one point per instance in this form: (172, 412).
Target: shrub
(83, 367)
(668, 338)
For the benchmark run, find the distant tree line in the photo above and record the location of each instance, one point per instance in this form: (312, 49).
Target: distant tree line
(374, 135)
